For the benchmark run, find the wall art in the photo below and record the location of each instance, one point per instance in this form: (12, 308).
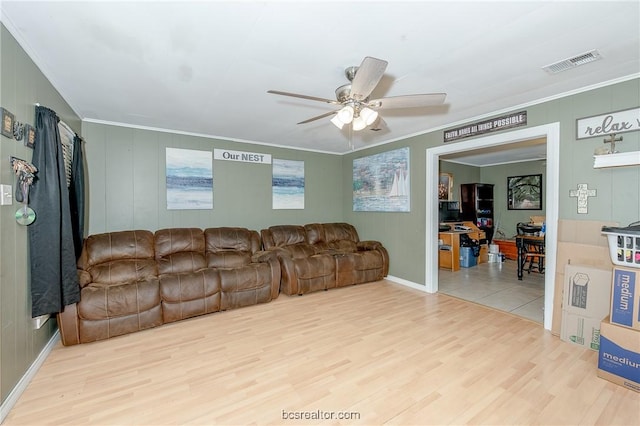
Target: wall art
(445, 186)
(381, 182)
(189, 175)
(524, 192)
(287, 184)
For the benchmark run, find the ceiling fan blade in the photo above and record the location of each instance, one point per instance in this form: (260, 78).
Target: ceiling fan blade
(367, 77)
(409, 101)
(311, 98)
(326, 114)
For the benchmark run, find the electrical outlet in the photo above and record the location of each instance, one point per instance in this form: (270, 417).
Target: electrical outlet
(6, 195)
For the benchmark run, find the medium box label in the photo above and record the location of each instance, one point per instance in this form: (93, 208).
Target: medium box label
(624, 284)
(619, 361)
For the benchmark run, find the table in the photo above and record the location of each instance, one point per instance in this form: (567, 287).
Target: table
(450, 259)
(522, 241)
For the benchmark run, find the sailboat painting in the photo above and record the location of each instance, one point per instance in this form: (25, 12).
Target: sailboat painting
(381, 182)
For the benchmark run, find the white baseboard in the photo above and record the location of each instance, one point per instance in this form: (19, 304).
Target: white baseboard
(407, 283)
(21, 386)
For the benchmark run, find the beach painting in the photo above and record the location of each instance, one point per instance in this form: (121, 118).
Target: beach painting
(287, 184)
(189, 179)
(381, 182)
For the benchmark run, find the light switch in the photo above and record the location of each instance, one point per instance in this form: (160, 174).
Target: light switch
(6, 195)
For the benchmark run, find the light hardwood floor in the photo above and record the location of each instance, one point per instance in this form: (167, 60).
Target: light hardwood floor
(384, 353)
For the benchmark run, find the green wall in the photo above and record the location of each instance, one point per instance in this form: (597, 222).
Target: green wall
(22, 85)
(126, 183)
(618, 192)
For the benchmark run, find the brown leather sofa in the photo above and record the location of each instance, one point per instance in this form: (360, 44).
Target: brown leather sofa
(322, 256)
(134, 280)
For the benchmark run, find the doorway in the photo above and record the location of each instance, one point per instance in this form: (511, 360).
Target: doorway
(551, 132)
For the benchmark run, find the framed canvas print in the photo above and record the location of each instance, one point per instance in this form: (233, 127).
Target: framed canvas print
(189, 178)
(524, 192)
(287, 184)
(381, 182)
(445, 186)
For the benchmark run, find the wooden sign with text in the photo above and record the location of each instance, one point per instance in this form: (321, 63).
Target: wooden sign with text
(606, 124)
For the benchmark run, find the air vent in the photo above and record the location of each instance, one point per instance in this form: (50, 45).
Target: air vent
(570, 63)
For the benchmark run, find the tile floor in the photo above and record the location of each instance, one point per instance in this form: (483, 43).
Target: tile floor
(496, 285)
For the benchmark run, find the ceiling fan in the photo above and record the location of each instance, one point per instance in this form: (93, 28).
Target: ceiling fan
(353, 98)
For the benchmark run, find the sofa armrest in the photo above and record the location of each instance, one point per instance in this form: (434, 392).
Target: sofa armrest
(376, 245)
(68, 325)
(263, 256)
(84, 278)
(369, 245)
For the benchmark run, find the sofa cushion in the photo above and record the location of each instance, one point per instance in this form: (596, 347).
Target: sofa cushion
(340, 231)
(244, 286)
(286, 235)
(230, 238)
(103, 248)
(228, 247)
(99, 302)
(189, 294)
(179, 250)
(123, 271)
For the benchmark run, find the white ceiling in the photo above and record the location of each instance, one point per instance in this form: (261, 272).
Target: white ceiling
(205, 67)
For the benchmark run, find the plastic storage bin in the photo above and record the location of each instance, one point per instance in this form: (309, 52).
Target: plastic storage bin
(624, 244)
(467, 259)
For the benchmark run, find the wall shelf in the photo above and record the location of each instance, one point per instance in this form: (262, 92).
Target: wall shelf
(618, 159)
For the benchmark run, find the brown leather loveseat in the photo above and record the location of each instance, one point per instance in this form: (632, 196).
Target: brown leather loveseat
(134, 280)
(321, 256)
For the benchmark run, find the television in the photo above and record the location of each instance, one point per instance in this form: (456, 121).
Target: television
(449, 211)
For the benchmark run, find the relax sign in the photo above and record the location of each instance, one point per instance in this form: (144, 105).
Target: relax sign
(606, 124)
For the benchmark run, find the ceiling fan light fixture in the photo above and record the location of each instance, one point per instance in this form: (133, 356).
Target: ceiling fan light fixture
(368, 115)
(337, 122)
(346, 114)
(358, 123)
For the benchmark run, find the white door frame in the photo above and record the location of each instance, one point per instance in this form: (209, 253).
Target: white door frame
(552, 134)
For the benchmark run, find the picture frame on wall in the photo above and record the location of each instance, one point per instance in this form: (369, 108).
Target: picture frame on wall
(7, 123)
(524, 192)
(29, 136)
(445, 186)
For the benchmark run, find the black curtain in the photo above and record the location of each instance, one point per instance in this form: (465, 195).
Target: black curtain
(76, 195)
(54, 281)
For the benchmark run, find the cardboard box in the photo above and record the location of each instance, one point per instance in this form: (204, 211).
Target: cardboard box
(587, 294)
(619, 355)
(625, 297)
(580, 330)
(579, 242)
(587, 291)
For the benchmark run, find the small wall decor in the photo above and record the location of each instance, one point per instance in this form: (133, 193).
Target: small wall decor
(29, 136)
(25, 173)
(7, 123)
(445, 186)
(524, 192)
(582, 194)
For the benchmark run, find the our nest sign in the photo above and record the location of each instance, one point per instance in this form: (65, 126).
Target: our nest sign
(245, 157)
